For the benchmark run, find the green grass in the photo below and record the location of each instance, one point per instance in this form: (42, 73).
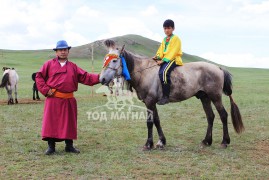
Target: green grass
(113, 149)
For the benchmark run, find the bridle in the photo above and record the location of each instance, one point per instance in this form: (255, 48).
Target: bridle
(113, 57)
(120, 66)
(117, 57)
(117, 68)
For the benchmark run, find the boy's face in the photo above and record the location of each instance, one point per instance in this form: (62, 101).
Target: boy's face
(168, 31)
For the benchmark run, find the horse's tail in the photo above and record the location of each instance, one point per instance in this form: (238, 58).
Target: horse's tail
(235, 113)
(5, 80)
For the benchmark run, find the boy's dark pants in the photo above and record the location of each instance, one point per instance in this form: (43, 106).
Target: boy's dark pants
(164, 74)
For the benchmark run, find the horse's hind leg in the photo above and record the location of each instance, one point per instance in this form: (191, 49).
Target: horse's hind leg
(223, 116)
(16, 95)
(9, 94)
(210, 119)
(33, 92)
(37, 95)
(11, 98)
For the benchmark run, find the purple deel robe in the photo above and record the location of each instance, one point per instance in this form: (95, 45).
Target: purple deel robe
(60, 115)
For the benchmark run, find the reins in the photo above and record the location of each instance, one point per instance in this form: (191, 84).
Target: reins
(116, 69)
(144, 69)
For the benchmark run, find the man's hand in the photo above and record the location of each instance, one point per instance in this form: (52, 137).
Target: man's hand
(50, 93)
(159, 62)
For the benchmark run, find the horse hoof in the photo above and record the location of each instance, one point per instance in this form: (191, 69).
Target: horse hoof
(203, 145)
(147, 148)
(223, 146)
(159, 145)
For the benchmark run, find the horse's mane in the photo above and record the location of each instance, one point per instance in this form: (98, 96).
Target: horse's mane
(131, 58)
(130, 62)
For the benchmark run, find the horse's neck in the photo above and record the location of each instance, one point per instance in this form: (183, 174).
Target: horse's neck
(139, 70)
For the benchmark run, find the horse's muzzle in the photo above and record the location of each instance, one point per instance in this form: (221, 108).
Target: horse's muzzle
(104, 82)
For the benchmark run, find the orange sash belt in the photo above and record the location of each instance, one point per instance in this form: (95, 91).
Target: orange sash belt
(62, 95)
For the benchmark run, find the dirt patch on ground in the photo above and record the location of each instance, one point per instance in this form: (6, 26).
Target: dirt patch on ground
(260, 152)
(24, 101)
(263, 147)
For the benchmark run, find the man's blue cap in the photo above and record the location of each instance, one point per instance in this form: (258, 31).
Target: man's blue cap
(62, 44)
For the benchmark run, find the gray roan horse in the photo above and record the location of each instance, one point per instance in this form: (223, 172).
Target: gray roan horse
(9, 81)
(204, 80)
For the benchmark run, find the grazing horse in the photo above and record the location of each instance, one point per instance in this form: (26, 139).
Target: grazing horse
(204, 80)
(9, 81)
(35, 90)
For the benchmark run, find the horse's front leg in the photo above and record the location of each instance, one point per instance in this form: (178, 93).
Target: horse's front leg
(162, 140)
(149, 142)
(117, 89)
(153, 118)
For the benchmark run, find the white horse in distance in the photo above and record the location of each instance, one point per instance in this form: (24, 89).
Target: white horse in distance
(9, 81)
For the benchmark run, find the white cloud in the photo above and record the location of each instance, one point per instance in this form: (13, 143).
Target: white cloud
(246, 36)
(75, 39)
(130, 25)
(235, 26)
(237, 60)
(260, 8)
(150, 11)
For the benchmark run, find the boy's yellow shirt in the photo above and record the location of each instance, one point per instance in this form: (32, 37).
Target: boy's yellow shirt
(171, 50)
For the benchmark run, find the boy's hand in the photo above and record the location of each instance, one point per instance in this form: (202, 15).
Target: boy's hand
(155, 58)
(159, 62)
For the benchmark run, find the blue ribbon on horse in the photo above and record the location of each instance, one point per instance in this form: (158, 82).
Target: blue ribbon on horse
(125, 71)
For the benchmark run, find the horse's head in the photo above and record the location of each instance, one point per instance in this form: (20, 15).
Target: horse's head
(5, 68)
(112, 63)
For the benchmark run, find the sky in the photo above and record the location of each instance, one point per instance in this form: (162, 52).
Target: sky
(230, 32)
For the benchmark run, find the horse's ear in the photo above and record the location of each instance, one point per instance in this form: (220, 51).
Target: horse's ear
(5, 68)
(122, 49)
(109, 43)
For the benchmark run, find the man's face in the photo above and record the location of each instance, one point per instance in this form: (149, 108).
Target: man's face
(62, 53)
(168, 31)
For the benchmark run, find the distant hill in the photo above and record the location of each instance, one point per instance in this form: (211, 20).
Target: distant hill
(134, 43)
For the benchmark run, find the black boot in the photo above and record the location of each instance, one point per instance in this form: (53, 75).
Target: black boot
(166, 92)
(69, 146)
(51, 148)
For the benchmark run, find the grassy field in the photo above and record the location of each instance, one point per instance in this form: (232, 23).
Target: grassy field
(113, 149)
